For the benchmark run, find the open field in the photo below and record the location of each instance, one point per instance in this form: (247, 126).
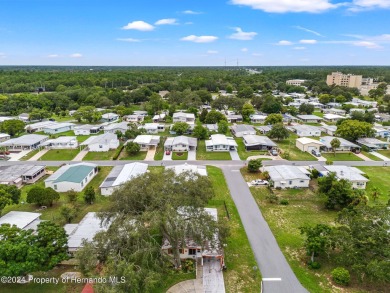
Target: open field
(240, 260)
(379, 178)
(59, 155)
(201, 153)
(341, 157)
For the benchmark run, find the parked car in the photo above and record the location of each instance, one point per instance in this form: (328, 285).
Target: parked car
(274, 152)
(259, 182)
(316, 153)
(167, 152)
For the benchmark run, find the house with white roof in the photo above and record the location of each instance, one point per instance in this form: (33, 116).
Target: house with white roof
(86, 230)
(152, 128)
(306, 130)
(334, 111)
(381, 132)
(306, 144)
(329, 129)
(86, 129)
(4, 137)
(25, 142)
(234, 118)
(180, 169)
(180, 144)
(345, 145)
(62, 142)
(310, 118)
(333, 118)
(109, 117)
(373, 143)
(121, 174)
(22, 220)
(159, 118)
(256, 142)
(257, 118)
(211, 127)
(58, 127)
(286, 176)
(189, 118)
(38, 126)
(220, 143)
(72, 177)
(147, 142)
(134, 118)
(114, 127)
(25, 117)
(351, 174)
(239, 130)
(21, 174)
(101, 143)
(264, 129)
(140, 112)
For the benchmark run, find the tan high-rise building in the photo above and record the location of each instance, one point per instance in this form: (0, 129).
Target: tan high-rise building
(347, 80)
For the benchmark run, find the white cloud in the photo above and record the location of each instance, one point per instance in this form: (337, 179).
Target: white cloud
(242, 36)
(76, 55)
(308, 30)
(311, 42)
(212, 52)
(130, 40)
(53, 56)
(139, 25)
(359, 5)
(284, 43)
(283, 6)
(299, 48)
(191, 12)
(199, 39)
(165, 21)
(244, 50)
(367, 44)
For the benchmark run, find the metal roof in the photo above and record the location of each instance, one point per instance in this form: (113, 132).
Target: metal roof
(303, 127)
(184, 140)
(19, 219)
(306, 140)
(25, 140)
(258, 140)
(15, 172)
(113, 126)
(285, 172)
(243, 128)
(345, 172)
(72, 173)
(100, 139)
(121, 174)
(147, 139)
(179, 169)
(309, 117)
(343, 142)
(57, 125)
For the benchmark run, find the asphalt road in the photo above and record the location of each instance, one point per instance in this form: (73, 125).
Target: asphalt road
(278, 277)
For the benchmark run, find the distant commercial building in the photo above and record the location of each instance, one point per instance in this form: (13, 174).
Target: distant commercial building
(296, 82)
(346, 80)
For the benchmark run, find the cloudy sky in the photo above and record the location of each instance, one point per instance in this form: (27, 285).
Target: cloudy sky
(195, 32)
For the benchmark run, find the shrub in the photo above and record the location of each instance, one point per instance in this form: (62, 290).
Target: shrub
(284, 202)
(286, 155)
(314, 174)
(254, 165)
(272, 198)
(341, 276)
(365, 149)
(314, 265)
(118, 152)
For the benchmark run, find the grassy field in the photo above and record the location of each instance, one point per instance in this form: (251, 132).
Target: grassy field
(59, 155)
(371, 156)
(243, 153)
(29, 155)
(99, 156)
(341, 157)
(288, 145)
(240, 260)
(379, 178)
(183, 156)
(201, 153)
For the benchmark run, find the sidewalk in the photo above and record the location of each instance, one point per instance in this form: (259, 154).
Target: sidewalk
(363, 157)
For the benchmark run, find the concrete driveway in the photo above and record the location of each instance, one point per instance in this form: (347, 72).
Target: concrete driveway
(38, 155)
(380, 156)
(234, 155)
(150, 154)
(191, 155)
(167, 157)
(17, 156)
(81, 155)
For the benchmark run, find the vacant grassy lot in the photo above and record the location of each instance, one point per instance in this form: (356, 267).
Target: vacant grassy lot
(239, 257)
(59, 155)
(243, 153)
(30, 155)
(288, 145)
(201, 153)
(341, 157)
(379, 178)
(371, 156)
(99, 156)
(179, 156)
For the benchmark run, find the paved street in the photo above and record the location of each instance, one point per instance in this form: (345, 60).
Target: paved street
(277, 274)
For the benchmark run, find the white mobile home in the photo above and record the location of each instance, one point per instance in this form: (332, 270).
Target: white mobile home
(220, 143)
(286, 176)
(25, 142)
(101, 143)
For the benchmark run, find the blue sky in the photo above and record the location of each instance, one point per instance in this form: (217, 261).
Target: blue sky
(194, 32)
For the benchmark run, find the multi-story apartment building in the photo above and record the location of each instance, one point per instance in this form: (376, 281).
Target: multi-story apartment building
(346, 80)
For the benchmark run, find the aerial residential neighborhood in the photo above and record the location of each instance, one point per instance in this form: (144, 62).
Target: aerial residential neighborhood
(227, 146)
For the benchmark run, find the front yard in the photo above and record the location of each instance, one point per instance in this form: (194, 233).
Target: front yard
(288, 145)
(371, 156)
(137, 157)
(180, 156)
(201, 153)
(341, 157)
(29, 155)
(244, 154)
(386, 153)
(59, 155)
(99, 156)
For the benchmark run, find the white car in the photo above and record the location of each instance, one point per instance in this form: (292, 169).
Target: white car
(259, 182)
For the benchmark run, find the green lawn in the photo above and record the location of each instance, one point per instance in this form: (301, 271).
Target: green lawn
(62, 119)
(99, 156)
(30, 155)
(288, 145)
(201, 153)
(371, 156)
(82, 138)
(158, 156)
(243, 153)
(239, 257)
(386, 153)
(180, 156)
(137, 157)
(319, 114)
(341, 157)
(60, 155)
(379, 178)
